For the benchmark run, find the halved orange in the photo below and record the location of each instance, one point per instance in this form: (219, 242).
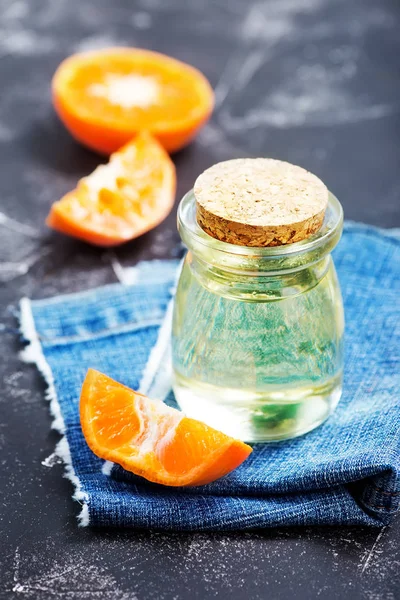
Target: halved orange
(121, 200)
(105, 97)
(152, 439)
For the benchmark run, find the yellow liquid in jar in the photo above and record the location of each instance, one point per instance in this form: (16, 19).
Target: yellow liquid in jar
(259, 365)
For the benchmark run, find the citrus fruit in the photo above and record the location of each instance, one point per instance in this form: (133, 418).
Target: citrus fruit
(105, 97)
(152, 439)
(121, 200)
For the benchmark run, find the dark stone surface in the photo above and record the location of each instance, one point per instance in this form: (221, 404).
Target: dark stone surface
(312, 81)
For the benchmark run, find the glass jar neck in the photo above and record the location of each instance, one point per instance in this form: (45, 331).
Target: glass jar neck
(243, 261)
(264, 287)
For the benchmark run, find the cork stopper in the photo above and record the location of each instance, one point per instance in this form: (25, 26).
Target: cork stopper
(259, 202)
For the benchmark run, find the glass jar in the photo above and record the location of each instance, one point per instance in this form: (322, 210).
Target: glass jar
(257, 340)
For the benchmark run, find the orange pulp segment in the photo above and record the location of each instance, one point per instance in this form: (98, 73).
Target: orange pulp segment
(105, 97)
(152, 439)
(121, 200)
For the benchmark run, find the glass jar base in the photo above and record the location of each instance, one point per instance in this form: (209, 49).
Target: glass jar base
(274, 414)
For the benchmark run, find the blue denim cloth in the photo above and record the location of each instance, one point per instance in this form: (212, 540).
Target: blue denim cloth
(343, 473)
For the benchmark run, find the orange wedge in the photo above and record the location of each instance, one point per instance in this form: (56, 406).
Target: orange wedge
(151, 439)
(105, 97)
(121, 200)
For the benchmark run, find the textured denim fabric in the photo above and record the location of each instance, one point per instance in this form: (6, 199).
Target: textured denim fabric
(344, 472)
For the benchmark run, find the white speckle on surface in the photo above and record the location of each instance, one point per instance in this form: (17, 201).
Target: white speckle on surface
(130, 275)
(142, 20)
(274, 23)
(15, 11)
(10, 270)
(52, 460)
(226, 80)
(370, 555)
(250, 66)
(161, 245)
(283, 110)
(96, 42)
(320, 153)
(268, 24)
(25, 43)
(156, 4)
(6, 134)
(311, 92)
(126, 276)
(12, 384)
(237, 74)
(20, 248)
(17, 562)
(216, 141)
(18, 227)
(343, 53)
(279, 21)
(68, 576)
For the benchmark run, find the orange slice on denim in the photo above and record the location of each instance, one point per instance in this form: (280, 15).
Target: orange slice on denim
(151, 439)
(121, 200)
(105, 97)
